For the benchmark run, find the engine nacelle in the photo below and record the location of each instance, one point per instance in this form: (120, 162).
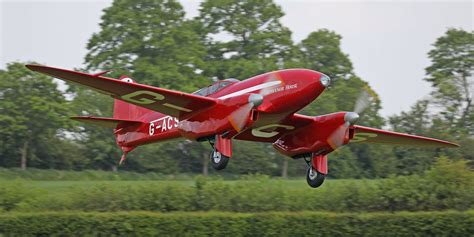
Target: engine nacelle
(316, 137)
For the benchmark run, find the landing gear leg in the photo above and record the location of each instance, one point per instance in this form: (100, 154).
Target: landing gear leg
(218, 160)
(314, 178)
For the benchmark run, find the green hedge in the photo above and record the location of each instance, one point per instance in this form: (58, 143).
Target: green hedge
(239, 224)
(444, 188)
(261, 195)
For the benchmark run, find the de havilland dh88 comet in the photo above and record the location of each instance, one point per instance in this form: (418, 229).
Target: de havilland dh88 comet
(261, 109)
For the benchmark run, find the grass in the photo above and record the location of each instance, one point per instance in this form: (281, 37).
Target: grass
(60, 180)
(63, 175)
(60, 186)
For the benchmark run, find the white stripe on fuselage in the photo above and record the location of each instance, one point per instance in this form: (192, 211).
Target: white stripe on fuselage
(237, 93)
(250, 89)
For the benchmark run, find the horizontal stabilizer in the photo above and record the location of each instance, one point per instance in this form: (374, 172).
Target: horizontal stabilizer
(106, 122)
(373, 135)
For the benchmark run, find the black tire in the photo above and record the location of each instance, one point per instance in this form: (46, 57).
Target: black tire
(218, 161)
(314, 178)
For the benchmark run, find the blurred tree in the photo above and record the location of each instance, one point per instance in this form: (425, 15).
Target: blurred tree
(151, 41)
(32, 118)
(321, 50)
(244, 38)
(254, 157)
(451, 75)
(98, 143)
(449, 115)
(159, 157)
(416, 121)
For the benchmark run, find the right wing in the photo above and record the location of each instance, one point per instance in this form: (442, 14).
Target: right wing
(177, 104)
(372, 135)
(273, 132)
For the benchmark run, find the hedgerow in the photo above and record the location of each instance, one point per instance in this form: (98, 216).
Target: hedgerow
(449, 186)
(448, 223)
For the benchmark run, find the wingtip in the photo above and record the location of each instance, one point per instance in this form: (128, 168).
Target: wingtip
(33, 67)
(446, 144)
(450, 144)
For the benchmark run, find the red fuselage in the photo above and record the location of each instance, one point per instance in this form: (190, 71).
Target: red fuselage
(284, 92)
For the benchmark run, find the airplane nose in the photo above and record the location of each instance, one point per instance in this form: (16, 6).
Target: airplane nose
(325, 80)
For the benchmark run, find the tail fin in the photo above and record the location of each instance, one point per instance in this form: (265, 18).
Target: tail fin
(124, 110)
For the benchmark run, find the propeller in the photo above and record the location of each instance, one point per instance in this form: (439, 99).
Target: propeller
(239, 117)
(336, 139)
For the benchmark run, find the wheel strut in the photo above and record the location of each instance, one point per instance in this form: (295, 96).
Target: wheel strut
(314, 177)
(221, 152)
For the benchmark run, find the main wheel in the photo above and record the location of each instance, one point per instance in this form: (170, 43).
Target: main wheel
(314, 178)
(218, 161)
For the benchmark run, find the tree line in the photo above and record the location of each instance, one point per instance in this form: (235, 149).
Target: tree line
(152, 42)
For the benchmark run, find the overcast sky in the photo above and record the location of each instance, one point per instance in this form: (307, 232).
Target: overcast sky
(387, 41)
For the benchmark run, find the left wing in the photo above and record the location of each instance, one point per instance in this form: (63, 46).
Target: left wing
(373, 135)
(175, 103)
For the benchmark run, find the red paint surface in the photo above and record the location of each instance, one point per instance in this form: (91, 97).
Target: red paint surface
(320, 163)
(224, 146)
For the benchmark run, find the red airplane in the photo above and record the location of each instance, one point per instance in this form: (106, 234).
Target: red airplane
(262, 109)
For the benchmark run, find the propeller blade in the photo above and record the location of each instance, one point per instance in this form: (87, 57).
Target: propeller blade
(336, 139)
(238, 118)
(362, 102)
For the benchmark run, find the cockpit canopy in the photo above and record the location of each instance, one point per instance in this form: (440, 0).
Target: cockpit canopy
(215, 87)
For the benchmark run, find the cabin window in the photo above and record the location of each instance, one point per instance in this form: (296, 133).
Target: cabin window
(224, 84)
(213, 88)
(201, 92)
